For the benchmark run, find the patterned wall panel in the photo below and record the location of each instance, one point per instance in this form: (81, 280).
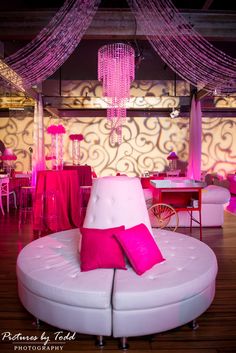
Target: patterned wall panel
(146, 143)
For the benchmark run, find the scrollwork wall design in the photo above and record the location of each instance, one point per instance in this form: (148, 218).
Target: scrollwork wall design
(16, 133)
(146, 143)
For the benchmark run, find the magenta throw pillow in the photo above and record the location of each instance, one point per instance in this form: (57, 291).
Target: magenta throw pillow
(100, 249)
(140, 248)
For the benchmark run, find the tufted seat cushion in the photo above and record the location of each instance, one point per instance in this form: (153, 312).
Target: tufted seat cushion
(49, 268)
(170, 281)
(214, 194)
(171, 293)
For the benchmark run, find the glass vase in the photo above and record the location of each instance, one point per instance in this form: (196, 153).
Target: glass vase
(57, 151)
(173, 164)
(75, 152)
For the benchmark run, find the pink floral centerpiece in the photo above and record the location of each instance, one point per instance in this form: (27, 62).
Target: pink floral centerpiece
(56, 129)
(76, 139)
(56, 155)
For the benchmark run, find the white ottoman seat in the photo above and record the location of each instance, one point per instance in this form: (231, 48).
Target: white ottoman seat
(108, 302)
(172, 293)
(50, 281)
(52, 288)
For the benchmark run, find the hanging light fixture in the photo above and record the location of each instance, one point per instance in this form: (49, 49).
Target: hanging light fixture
(116, 71)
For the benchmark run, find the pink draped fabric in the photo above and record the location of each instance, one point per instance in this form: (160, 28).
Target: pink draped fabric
(57, 201)
(195, 141)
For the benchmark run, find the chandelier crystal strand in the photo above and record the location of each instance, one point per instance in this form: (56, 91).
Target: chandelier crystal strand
(54, 44)
(189, 54)
(116, 71)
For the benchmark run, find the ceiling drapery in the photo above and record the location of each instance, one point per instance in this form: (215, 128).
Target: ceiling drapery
(188, 53)
(183, 49)
(55, 43)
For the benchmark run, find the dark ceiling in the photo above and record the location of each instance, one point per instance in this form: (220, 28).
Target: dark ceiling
(216, 5)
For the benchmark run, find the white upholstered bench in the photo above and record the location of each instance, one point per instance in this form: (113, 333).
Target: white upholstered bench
(53, 289)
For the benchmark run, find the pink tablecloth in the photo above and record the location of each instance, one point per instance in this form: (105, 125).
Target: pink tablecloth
(84, 173)
(57, 201)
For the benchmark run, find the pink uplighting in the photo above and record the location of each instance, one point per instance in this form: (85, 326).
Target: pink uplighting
(116, 71)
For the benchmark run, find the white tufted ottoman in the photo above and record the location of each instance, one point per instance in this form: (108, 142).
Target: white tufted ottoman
(169, 295)
(52, 287)
(116, 201)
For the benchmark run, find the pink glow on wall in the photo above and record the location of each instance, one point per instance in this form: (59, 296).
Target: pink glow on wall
(116, 71)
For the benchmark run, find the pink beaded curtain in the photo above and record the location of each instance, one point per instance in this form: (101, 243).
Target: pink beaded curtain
(184, 50)
(116, 71)
(55, 43)
(195, 141)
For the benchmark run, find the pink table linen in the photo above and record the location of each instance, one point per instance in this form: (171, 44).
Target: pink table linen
(84, 173)
(57, 191)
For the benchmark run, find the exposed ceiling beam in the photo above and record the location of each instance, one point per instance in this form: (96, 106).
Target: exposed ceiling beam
(138, 113)
(53, 111)
(116, 24)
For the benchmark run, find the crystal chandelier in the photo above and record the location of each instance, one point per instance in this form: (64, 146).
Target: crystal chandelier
(116, 71)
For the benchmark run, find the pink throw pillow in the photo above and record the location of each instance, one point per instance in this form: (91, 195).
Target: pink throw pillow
(140, 248)
(100, 249)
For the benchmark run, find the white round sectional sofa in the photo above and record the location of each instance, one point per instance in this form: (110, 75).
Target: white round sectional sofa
(105, 302)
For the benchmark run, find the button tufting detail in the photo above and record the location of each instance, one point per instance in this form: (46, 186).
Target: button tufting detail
(151, 277)
(74, 275)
